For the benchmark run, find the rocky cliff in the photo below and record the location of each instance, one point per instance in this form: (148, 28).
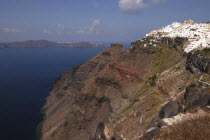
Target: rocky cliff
(199, 61)
(142, 93)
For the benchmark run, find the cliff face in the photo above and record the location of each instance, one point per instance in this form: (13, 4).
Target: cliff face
(199, 62)
(125, 94)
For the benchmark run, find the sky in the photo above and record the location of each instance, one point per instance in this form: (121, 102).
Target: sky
(93, 20)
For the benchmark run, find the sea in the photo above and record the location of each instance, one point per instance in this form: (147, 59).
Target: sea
(26, 75)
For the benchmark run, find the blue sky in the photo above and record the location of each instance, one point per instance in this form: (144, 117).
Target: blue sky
(93, 20)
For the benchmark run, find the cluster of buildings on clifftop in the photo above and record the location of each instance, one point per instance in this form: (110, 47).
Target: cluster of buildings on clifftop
(198, 34)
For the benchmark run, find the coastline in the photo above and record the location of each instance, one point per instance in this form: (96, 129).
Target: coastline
(46, 43)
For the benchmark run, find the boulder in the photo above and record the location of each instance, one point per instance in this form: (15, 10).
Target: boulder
(153, 128)
(170, 109)
(194, 98)
(99, 134)
(104, 131)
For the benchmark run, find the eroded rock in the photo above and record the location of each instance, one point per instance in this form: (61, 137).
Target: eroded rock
(170, 109)
(197, 63)
(195, 98)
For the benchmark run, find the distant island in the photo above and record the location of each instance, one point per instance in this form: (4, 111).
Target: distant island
(46, 43)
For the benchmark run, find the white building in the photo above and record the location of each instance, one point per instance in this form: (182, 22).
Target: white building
(197, 33)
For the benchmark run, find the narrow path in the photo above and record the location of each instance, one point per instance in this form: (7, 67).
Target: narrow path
(201, 80)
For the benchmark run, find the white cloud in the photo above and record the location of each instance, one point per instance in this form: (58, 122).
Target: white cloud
(82, 30)
(136, 6)
(10, 30)
(95, 23)
(132, 6)
(89, 29)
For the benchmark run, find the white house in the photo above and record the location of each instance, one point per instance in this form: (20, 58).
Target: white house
(197, 33)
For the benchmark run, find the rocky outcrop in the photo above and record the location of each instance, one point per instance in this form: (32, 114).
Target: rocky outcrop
(195, 97)
(198, 63)
(108, 82)
(100, 132)
(170, 109)
(113, 45)
(126, 72)
(153, 129)
(103, 132)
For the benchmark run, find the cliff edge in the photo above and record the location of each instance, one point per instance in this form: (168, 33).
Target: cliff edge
(147, 92)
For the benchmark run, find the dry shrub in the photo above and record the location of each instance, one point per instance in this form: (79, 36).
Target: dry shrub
(194, 129)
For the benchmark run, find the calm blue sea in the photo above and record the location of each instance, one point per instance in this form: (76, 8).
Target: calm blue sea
(26, 75)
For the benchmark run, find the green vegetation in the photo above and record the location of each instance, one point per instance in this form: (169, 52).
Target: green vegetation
(129, 106)
(167, 57)
(153, 103)
(145, 88)
(143, 91)
(205, 51)
(74, 69)
(166, 40)
(164, 59)
(152, 80)
(206, 78)
(179, 41)
(174, 42)
(151, 98)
